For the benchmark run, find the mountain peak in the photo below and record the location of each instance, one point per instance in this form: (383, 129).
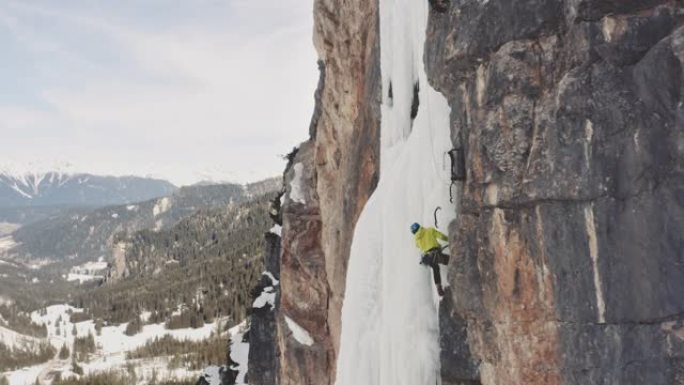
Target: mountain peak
(44, 188)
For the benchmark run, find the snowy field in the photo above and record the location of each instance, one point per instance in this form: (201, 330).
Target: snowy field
(89, 271)
(112, 346)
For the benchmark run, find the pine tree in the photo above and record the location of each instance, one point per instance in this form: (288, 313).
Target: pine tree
(76, 368)
(98, 327)
(64, 352)
(134, 326)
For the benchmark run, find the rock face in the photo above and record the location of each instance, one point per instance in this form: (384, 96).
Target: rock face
(327, 183)
(567, 262)
(347, 134)
(567, 254)
(263, 347)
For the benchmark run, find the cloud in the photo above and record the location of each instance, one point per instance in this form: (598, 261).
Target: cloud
(178, 100)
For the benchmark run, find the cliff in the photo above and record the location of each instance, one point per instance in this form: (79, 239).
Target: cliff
(566, 238)
(568, 249)
(328, 182)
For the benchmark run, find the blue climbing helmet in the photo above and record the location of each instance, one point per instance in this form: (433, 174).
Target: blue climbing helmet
(414, 228)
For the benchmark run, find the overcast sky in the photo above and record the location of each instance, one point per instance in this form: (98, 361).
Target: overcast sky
(186, 90)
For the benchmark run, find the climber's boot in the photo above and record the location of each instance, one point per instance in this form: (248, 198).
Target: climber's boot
(443, 259)
(440, 290)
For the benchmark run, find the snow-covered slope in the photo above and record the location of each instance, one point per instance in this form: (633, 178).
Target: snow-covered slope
(112, 345)
(15, 340)
(390, 328)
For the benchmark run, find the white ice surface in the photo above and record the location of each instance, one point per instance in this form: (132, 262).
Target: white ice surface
(390, 327)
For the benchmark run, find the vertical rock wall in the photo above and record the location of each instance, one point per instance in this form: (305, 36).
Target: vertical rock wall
(347, 135)
(568, 256)
(263, 344)
(328, 181)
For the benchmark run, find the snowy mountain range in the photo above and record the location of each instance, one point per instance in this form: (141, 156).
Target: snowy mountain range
(57, 188)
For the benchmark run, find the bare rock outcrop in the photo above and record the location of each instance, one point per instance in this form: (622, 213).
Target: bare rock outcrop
(263, 343)
(567, 260)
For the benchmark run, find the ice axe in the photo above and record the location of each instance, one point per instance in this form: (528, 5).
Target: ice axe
(435, 215)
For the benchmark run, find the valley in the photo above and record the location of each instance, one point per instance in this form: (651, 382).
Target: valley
(144, 292)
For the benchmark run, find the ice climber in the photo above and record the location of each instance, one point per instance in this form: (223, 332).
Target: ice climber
(427, 241)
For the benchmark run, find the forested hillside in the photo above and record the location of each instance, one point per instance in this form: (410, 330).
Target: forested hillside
(82, 235)
(201, 268)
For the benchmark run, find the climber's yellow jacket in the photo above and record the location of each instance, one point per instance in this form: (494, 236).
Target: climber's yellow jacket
(426, 238)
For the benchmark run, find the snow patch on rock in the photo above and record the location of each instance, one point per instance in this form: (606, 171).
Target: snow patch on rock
(277, 230)
(299, 333)
(163, 205)
(296, 191)
(267, 296)
(239, 352)
(272, 278)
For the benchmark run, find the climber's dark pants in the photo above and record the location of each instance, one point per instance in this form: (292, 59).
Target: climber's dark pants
(436, 275)
(439, 5)
(433, 258)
